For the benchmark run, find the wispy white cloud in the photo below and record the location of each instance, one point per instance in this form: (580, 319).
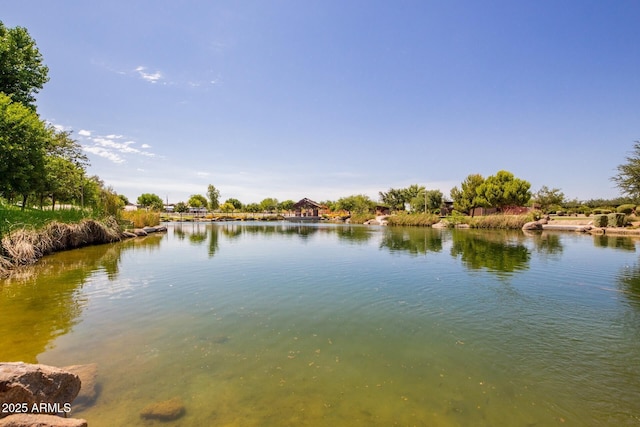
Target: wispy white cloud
(150, 77)
(203, 174)
(83, 132)
(145, 146)
(103, 152)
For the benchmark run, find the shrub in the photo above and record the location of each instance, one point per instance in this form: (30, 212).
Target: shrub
(626, 209)
(560, 213)
(600, 220)
(616, 219)
(420, 220)
(502, 221)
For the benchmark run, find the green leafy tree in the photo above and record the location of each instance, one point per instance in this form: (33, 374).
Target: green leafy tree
(394, 198)
(22, 72)
(286, 205)
(65, 165)
(356, 204)
(253, 208)
(180, 207)
(23, 142)
(546, 197)
(227, 207)
(465, 199)
(214, 198)
(151, 201)
(237, 204)
(427, 201)
(628, 177)
(125, 199)
(197, 201)
(269, 205)
(503, 189)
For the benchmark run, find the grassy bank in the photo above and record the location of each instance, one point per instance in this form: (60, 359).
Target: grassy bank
(14, 218)
(26, 245)
(417, 220)
(503, 222)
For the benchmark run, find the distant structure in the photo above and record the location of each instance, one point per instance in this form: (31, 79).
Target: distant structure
(306, 210)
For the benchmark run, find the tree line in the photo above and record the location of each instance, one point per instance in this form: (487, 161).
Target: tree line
(42, 165)
(39, 164)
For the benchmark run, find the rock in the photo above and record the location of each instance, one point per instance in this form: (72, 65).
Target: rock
(35, 420)
(88, 375)
(544, 220)
(161, 228)
(129, 234)
(533, 225)
(166, 410)
(22, 383)
(139, 232)
(372, 222)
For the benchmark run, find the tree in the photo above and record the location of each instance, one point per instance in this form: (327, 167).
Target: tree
(197, 201)
(23, 141)
(214, 198)
(253, 208)
(357, 204)
(465, 199)
(151, 201)
(65, 165)
(269, 204)
(22, 73)
(180, 207)
(394, 198)
(427, 201)
(286, 205)
(237, 204)
(227, 207)
(628, 177)
(546, 197)
(503, 189)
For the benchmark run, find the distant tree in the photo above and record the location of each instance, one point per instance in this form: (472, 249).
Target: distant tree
(546, 198)
(23, 142)
(253, 208)
(180, 207)
(357, 204)
(22, 73)
(227, 207)
(628, 177)
(503, 189)
(150, 201)
(237, 204)
(214, 198)
(394, 198)
(125, 199)
(286, 205)
(465, 199)
(197, 201)
(269, 205)
(427, 201)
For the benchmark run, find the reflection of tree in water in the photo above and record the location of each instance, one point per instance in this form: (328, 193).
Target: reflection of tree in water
(624, 243)
(357, 234)
(629, 282)
(491, 251)
(43, 301)
(547, 243)
(213, 241)
(415, 240)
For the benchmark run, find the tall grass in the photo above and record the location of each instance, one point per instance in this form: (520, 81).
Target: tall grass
(13, 218)
(501, 221)
(419, 220)
(142, 218)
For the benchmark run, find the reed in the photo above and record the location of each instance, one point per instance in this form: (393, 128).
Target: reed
(27, 245)
(501, 221)
(142, 218)
(414, 220)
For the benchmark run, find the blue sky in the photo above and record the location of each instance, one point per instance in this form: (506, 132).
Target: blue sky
(325, 99)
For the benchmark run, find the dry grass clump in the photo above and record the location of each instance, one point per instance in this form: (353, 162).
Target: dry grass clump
(26, 246)
(501, 221)
(142, 218)
(417, 220)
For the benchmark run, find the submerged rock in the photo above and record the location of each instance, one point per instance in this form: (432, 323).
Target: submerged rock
(88, 375)
(166, 410)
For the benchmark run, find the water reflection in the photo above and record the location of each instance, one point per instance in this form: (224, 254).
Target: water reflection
(629, 282)
(547, 243)
(416, 241)
(624, 243)
(44, 301)
(499, 252)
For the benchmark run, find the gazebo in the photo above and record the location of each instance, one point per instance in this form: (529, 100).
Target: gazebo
(307, 210)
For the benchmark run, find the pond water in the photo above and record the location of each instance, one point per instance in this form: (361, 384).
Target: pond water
(258, 324)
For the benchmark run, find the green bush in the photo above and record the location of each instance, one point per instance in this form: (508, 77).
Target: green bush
(625, 209)
(616, 219)
(600, 220)
(560, 213)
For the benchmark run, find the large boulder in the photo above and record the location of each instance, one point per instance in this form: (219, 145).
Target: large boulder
(28, 385)
(533, 225)
(33, 420)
